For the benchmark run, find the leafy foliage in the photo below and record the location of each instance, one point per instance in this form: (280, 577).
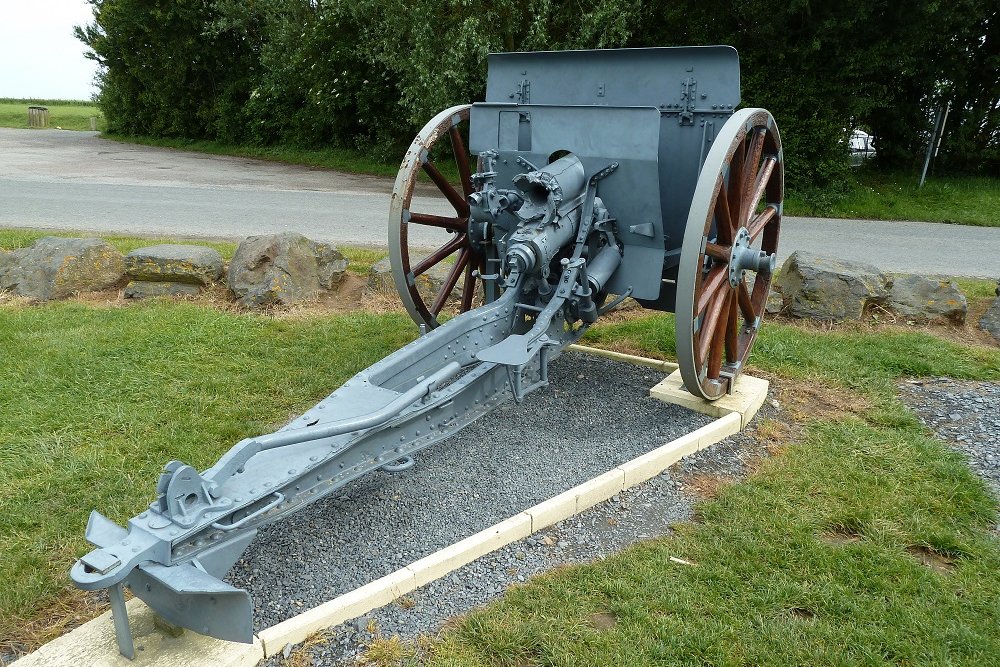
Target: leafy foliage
(364, 74)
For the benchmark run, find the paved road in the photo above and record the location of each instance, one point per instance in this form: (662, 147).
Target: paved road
(79, 181)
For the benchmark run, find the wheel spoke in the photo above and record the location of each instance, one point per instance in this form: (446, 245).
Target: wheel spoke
(716, 277)
(760, 184)
(750, 170)
(450, 281)
(735, 202)
(438, 255)
(709, 325)
(469, 286)
(718, 343)
(461, 159)
(447, 189)
(746, 304)
(453, 224)
(733, 330)
(723, 219)
(718, 251)
(760, 222)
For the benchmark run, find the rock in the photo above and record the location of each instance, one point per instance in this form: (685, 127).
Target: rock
(775, 302)
(196, 265)
(380, 277)
(7, 262)
(990, 321)
(55, 267)
(428, 283)
(142, 289)
(921, 298)
(283, 268)
(825, 288)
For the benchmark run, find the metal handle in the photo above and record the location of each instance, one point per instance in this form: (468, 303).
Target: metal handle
(279, 498)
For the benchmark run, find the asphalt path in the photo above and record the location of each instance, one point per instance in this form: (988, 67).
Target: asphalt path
(80, 181)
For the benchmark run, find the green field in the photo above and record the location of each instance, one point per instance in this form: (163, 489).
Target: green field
(64, 114)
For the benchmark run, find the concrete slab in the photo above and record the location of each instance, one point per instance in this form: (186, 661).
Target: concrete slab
(93, 645)
(749, 395)
(356, 603)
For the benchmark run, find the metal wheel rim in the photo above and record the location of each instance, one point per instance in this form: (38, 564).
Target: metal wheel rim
(696, 298)
(405, 272)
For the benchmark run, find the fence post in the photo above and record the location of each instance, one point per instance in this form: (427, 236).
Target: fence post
(38, 116)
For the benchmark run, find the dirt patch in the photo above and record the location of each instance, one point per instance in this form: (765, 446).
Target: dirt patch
(603, 620)
(72, 609)
(807, 400)
(705, 486)
(839, 538)
(932, 559)
(802, 614)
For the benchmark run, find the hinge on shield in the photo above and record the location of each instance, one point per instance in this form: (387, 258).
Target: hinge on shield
(689, 92)
(524, 92)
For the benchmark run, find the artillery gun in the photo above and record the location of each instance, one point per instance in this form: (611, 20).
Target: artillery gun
(600, 175)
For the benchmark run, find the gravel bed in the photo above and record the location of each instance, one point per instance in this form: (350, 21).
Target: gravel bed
(964, 414)
(643, 512)
(596, 414)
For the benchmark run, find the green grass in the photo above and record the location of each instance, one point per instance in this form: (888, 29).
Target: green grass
(964, 200)
(66, 114)
(767, 588)
(98, 399)
(103, 397)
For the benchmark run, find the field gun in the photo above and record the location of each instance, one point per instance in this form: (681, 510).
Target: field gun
(600, 176)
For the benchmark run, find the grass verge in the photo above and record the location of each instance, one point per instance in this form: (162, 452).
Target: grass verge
(63, 114)
(965, 200)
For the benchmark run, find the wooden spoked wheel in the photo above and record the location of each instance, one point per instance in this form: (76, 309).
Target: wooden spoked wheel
(449, 211)
(728, 252)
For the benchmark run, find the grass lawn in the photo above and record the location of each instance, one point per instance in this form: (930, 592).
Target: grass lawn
(965, 200)
(65, 114)
(814, 560)
(106, 396)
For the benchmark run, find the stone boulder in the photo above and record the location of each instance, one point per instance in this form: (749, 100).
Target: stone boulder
(54, 267)
(924, 299)
(283, 269)
(144, 289)
(990, 321)
(174, 263)
(7, 262)
(824, 288)
(428, 283)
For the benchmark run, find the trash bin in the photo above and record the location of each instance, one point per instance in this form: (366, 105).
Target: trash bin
(38, 116)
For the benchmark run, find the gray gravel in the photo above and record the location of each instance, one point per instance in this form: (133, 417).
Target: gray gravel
(613, 432)
(595, 415)
(966, 415)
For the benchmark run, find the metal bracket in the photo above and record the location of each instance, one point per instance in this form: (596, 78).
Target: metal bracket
(689, 91)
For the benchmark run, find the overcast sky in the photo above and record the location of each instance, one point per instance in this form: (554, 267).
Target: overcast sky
(39, 56)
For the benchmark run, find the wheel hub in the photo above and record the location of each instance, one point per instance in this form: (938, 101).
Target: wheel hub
(744, 257)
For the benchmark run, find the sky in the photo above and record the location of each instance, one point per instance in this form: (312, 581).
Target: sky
(39, 56)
